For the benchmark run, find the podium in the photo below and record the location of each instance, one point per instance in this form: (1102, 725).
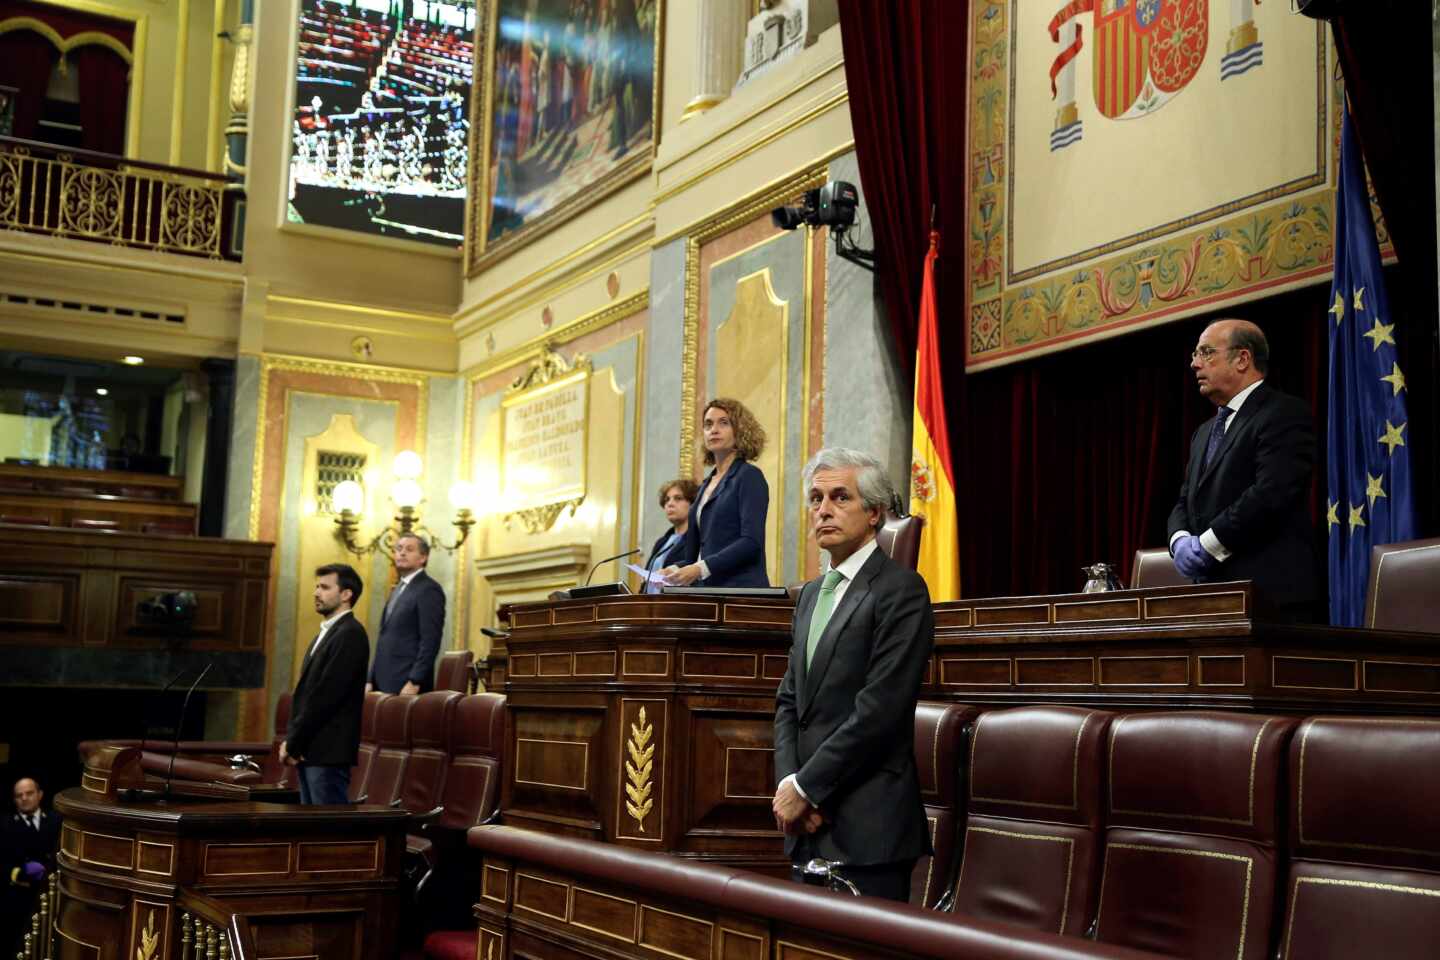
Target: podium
(647, 721)
(183, 877)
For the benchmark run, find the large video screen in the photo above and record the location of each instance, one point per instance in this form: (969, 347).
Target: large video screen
(382, 117)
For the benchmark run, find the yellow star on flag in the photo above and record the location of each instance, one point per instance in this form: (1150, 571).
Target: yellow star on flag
(1356, 518)
(1373, 488)
(1339, 308)
(1393, 436)
(1396, 379)
(1360, 299)
(1331, 519)
(1380, 333)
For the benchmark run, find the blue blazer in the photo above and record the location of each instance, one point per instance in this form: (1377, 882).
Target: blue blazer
(730, 534)
(409, 637)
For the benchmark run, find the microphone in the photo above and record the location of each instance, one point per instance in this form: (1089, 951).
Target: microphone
(179, 722)
(618, 556)
(163, 690)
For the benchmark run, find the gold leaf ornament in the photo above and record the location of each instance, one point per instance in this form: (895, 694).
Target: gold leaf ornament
(638, 770)
(149, 940)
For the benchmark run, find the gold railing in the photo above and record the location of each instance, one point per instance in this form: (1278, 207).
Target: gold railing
(39, 936)
(202, 940)
(105, 199)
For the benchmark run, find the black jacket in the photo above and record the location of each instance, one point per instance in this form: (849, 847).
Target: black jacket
(847, 725)
(325, 712)
(410, 637)
(730, 534)
(19, 844)
(1253, 494)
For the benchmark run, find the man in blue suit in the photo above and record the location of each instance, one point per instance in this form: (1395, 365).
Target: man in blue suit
(411, 625)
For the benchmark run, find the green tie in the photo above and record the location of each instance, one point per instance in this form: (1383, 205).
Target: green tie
(824, 606)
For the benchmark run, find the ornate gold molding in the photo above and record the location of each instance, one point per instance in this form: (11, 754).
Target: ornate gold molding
(638, 770)
(547, 367)
(589, 323)
(149, 940)
(540, 519)
(737, 214)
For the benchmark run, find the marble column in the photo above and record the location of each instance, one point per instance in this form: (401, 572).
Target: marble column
(719, 46)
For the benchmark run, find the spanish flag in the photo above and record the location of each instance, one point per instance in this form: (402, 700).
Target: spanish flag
(932, 482)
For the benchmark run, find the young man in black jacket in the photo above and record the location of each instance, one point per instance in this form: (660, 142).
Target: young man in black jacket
(324, 735)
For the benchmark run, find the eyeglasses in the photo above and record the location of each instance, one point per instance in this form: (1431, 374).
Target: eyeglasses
(1205, 353)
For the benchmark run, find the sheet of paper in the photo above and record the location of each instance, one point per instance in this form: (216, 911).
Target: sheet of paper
(646, 575)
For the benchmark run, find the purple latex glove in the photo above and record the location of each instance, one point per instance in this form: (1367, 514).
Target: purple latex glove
(34, 872)
(1191, 559)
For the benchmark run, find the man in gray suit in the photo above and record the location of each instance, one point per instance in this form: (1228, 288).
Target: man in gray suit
(411, 625)
(845, 713)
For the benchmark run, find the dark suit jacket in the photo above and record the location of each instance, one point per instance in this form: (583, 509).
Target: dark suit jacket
(847, 725)
(732, 537)
(1253, 494)
(19, 844)
(410, 637)
(650, 563)
(325, 712)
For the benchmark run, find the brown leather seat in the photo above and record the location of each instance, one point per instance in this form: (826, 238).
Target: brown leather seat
(430, 722)
(1154, 567)
(1402, 591)
(177, 528)
(453, 673)
(939, 736)
(899, 537)
(86, 523)
(392, 755)
(1364, 875)
(475, 745)
(360, 773)
(1032, 831)
(1191, 833)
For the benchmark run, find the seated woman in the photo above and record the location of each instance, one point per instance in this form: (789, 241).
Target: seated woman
(675, 499)
(724, 545)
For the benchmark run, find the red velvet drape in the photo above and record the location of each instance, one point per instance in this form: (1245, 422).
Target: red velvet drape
(26, 60)
(104, 93)
(905, 67)
(1384, 50)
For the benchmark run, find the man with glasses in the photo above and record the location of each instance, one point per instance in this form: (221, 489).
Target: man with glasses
(1243, 510)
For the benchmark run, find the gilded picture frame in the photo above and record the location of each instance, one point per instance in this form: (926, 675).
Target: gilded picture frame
(563, 108)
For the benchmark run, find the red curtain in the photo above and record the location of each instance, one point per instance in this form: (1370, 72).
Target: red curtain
(104, 92)
(905, 67)
(26, 60)
(1384, 50)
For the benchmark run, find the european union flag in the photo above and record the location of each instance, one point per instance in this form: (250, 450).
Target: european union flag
(1369, 467)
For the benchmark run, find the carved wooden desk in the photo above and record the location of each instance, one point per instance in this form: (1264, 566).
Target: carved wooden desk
(281, 881)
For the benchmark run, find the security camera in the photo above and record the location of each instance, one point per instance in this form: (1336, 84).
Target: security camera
(833, 206)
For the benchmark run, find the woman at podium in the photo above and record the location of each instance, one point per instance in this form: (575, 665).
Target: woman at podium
(724, 544)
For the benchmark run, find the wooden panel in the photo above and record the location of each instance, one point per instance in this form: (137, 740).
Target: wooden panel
(531, 618)
(37, 604)
(699, 612)
(600, 663)
(338, 857)
(156, 858)
(784, 950)
(561, 764)
(604, 914)
(1392, 676)
(756, 614)
(321, 934)
(1088, 611)
(749, 773)
(1005, 616)
(730, 773)
(734, 666)
(646, 663)
(1159, 671)
(1223, 603)
(584, 613)
(984, 672)
(953, 617)
(104, 850)
(211, 603)
(246, 859)
(555, 664)
(739, 945)
(522, 665)
(1314, 673)
(773, 666)
(495, 884)
(677, 934)
(542, 896)
(1221, 671)
(1054, 671)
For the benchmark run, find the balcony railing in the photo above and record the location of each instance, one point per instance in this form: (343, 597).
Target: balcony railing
(107, 199)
